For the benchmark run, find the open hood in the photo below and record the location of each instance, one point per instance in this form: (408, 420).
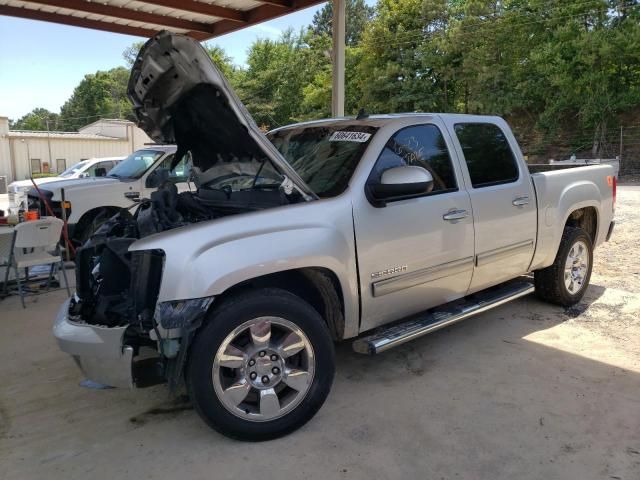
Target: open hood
(179, 96)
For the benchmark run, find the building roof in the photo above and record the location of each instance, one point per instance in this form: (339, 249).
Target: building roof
(199, 19)
(60, 135)
(102, 121)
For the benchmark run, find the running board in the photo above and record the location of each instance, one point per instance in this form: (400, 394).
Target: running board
(432, 320)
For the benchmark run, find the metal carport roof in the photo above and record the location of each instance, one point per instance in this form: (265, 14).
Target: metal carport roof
(199, 19)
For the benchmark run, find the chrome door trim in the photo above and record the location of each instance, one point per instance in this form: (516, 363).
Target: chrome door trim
(418, 277)
(494, 255)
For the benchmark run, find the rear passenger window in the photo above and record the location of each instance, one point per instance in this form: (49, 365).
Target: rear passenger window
(422, 146)
(487, 153)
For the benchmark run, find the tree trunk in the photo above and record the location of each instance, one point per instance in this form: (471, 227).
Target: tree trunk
(446, 96)
(596, 141)
(466, 98)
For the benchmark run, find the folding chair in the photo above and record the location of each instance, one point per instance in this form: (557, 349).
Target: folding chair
(36, 242)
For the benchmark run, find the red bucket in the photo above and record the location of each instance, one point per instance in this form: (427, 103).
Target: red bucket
(31, 215)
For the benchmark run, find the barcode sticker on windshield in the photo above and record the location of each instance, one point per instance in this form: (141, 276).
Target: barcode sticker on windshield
(359, 137)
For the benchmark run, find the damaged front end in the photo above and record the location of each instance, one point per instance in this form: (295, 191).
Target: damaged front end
(117, 297)
(115, 323)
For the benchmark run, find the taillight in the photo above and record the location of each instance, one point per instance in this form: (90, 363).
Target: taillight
(615, 188)
(611, 181)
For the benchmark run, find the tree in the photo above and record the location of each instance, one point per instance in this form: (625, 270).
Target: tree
(358, 14)
(99, 95)
(131, 53)
(221, 60)
(563, 73)
(277, 71)
(36, 119)
(403, 64)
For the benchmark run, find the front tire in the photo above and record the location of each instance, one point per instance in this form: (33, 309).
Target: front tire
(566, 280)
(87, 228)
(262, 366)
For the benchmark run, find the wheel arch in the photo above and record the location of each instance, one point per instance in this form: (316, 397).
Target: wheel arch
(318, 286)
(88, 217)
(552, 222)
(585, 218)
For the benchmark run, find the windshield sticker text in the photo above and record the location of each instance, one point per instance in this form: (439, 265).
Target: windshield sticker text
(359, 137)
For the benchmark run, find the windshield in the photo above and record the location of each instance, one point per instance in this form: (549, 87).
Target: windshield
(135, 164)
(324, 156)
(74, 169)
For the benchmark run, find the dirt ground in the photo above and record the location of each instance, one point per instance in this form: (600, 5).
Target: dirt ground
(528, 391)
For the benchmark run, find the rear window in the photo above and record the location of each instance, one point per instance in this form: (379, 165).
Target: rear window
(487, 154)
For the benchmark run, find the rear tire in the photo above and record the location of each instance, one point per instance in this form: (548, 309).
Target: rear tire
(262, 366)
(566, 280)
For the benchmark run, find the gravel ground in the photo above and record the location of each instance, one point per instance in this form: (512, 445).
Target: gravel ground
(527, 391)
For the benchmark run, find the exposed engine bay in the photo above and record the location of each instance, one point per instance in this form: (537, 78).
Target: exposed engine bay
(231, 170)
(115, 286)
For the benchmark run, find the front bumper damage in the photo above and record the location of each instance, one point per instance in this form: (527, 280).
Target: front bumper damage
(104, 357)
(99, 351)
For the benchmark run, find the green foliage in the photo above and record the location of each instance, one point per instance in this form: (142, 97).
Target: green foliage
(37, 119)
(357, 15)
(221, 60)
(561, 70)
(100, 94)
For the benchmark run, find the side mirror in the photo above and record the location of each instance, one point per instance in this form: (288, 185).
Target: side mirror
(83, 175)
(101, 172)
(401, 181)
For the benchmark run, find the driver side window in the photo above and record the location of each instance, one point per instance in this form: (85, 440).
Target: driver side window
(422, 146)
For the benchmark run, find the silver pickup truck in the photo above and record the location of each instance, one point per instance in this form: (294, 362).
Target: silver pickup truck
(378, 229)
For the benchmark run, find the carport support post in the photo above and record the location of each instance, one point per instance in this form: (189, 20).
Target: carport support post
(338, 31)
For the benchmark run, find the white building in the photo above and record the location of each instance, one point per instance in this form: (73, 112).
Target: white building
(24, 153)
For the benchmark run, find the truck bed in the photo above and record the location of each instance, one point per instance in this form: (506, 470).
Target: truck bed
(564, 164)
(559, 192)
(549, 167)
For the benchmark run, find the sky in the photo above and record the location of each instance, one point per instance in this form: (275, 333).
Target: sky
(41, 63)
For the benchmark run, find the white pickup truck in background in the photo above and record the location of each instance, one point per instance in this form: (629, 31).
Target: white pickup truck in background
(90, 201)
(93, 167)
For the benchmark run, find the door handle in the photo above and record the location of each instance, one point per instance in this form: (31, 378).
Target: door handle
(133, 196)
(455, 215)
(520, 201)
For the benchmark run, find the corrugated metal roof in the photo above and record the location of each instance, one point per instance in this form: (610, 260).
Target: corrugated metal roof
(110, 121)
(200, 19)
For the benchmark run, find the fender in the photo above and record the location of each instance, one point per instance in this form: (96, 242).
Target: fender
(553, 216)
(225, 252)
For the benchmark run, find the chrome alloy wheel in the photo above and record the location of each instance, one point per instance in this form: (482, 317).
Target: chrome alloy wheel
(576, 267)
(263, 369)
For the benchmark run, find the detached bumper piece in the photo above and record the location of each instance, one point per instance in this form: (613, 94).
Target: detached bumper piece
(99, 351)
